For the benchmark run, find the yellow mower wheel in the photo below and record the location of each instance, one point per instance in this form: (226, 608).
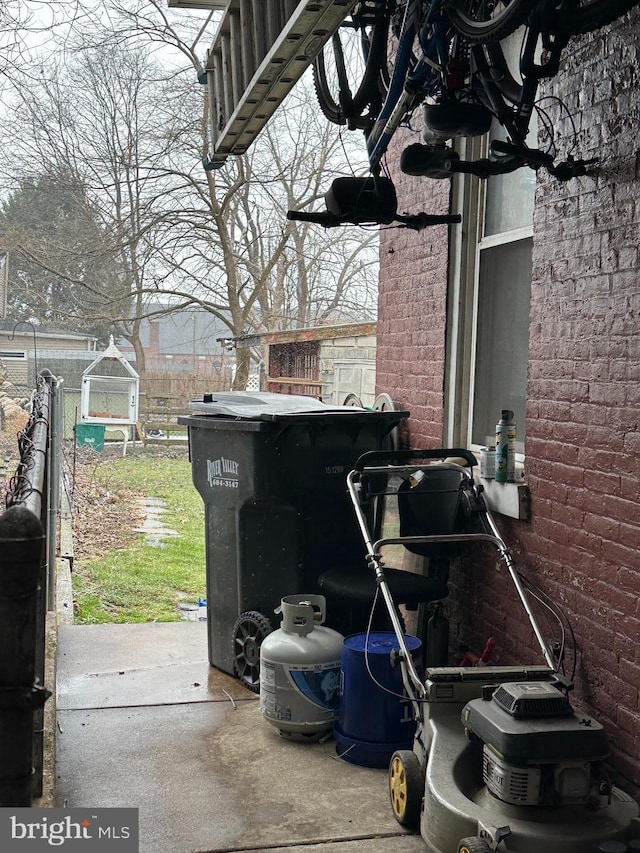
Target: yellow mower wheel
(406, 788)
(473, 844)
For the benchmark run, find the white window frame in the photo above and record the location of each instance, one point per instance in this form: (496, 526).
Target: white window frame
(466, 244)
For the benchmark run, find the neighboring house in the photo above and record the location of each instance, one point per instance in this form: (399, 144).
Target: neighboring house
(183, 341)
(328, 362)
(26, 348)
(533, 304)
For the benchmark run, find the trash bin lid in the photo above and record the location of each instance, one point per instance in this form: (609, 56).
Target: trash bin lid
(266, 405)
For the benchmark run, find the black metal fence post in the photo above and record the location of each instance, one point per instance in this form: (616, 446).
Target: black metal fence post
(25, 529)
(22, 543)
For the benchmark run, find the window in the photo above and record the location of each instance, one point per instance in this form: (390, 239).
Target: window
(489, 301)
(109, 398)
(502, 338)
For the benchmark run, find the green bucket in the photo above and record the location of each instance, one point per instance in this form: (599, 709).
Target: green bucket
(91, 435)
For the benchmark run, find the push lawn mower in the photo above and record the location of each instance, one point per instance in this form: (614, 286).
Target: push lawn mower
(501, 760)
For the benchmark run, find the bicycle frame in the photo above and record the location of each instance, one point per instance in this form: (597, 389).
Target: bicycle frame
(516, 119)
(403, 92)
(425, 23)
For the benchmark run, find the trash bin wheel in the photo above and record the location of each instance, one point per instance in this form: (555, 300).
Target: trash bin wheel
(352, 400)
(406, 788)
(249, 631)
(473, 844)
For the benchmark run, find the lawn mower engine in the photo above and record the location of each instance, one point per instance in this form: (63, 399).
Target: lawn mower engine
(537, 750)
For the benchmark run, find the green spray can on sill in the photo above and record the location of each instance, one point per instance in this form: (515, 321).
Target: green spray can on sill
(506, 448)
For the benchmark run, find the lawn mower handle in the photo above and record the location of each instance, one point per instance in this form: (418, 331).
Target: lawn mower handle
(397, 457)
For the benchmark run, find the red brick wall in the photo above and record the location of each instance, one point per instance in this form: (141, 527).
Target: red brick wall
(583, 439)
(412, 310)
(582, 544)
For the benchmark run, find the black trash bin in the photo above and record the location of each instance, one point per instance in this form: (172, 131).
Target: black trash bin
(271, 470)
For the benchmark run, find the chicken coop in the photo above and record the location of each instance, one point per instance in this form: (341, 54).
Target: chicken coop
(110, 390)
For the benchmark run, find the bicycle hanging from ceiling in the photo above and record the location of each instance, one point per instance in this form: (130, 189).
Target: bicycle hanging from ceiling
(446, 59)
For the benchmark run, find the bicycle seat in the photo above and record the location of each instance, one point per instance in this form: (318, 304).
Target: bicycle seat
(450, 119)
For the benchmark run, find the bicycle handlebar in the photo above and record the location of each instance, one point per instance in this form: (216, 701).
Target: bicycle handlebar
(415, 222)
(531, 156)
(563, 171)
(418, 221)
(324, 218)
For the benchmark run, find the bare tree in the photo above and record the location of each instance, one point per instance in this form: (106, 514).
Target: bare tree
(25, 28)
(129, 122)
(237, 255)
(93, 122)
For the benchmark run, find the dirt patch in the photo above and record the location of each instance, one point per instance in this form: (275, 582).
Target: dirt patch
(104, 520)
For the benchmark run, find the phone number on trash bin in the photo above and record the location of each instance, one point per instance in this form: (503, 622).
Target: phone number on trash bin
(229, 484)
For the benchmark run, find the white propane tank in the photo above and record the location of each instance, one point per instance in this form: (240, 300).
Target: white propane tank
(300, 670)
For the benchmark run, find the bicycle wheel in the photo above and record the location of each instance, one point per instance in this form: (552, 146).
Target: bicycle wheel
(487, 20)
(328, 93)
(583, 16)
(348, 74)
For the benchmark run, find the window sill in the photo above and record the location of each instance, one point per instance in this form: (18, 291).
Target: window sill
(510, 499)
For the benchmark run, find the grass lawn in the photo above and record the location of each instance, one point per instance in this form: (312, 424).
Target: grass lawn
(140, 582)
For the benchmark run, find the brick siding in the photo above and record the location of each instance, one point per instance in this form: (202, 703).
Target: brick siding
(582, 545)
(412, 311)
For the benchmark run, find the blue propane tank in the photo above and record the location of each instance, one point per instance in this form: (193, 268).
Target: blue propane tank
(300, 670)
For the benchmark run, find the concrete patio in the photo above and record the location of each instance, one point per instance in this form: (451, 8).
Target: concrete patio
(144, 721)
